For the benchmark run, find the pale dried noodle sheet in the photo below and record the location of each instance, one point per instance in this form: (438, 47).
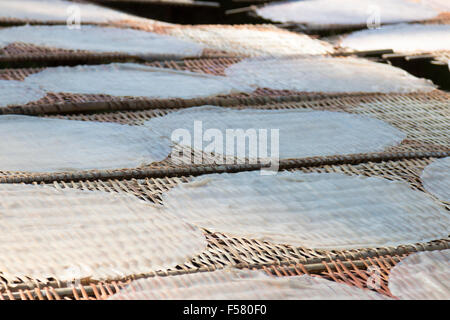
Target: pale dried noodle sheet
(240, 285)
(326, 74)
(100, 39)
(46, 145)
(315, 210)
(302, 133)
(17, 92)
(404, 38)
(352, 12)
(130, 79)
(436, 178)
(62, 11)
(269, 41)
(422, 276)
(70, 234)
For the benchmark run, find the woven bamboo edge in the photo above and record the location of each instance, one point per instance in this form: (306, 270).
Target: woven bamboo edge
(54, 291)
(149, 104)
(196, 170)
(53, 59)
(75, 58)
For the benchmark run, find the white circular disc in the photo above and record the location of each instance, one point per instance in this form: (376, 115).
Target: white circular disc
(314, 210)
(130, 79)
(302, 133)
(69, 234)
(325, 74)
(100, 39)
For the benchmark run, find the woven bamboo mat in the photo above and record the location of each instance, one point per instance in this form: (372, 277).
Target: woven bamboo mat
(219, 41)
(59, 102)
(224, 250)
(423, 117)
(355, 273)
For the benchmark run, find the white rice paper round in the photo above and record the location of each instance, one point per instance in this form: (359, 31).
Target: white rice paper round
(314, 210)
(69, 234)
(36, 144)
(422, 276)
(302, 133)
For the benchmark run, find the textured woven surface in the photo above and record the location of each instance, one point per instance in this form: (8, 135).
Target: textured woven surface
(370, 273)
(71, 235)
(423, 118)
(301, 132)
(97, 39)
(401, 38)
(224, 250)
(325, 74)
(251, 40)
(436, 179)
(65, 102)
(343, 15)
(218, 40)
(314, 210)
(42, 145)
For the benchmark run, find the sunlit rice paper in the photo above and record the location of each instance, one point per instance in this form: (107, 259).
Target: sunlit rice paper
(18, 92)
(101, 39)
(352, 12)
(436, 178)
(422, 276)
(325, 74)
(314, 210)
(302, 133)
(130, 79)
(61, 10)
(36, 144)
(69, 234)
(404, 38)
(240, 285)
(252, 41)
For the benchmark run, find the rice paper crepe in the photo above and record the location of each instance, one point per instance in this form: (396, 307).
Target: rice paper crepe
(233, 284)
(436, 178)
(422, 276)
(68, 234)
(62, 11)
(36, 144)
(126, 79)
(353, 12)
(313, 210)
(253, 41)
(302, 133)
(401, 38)
(325, 74)
(101, 39)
